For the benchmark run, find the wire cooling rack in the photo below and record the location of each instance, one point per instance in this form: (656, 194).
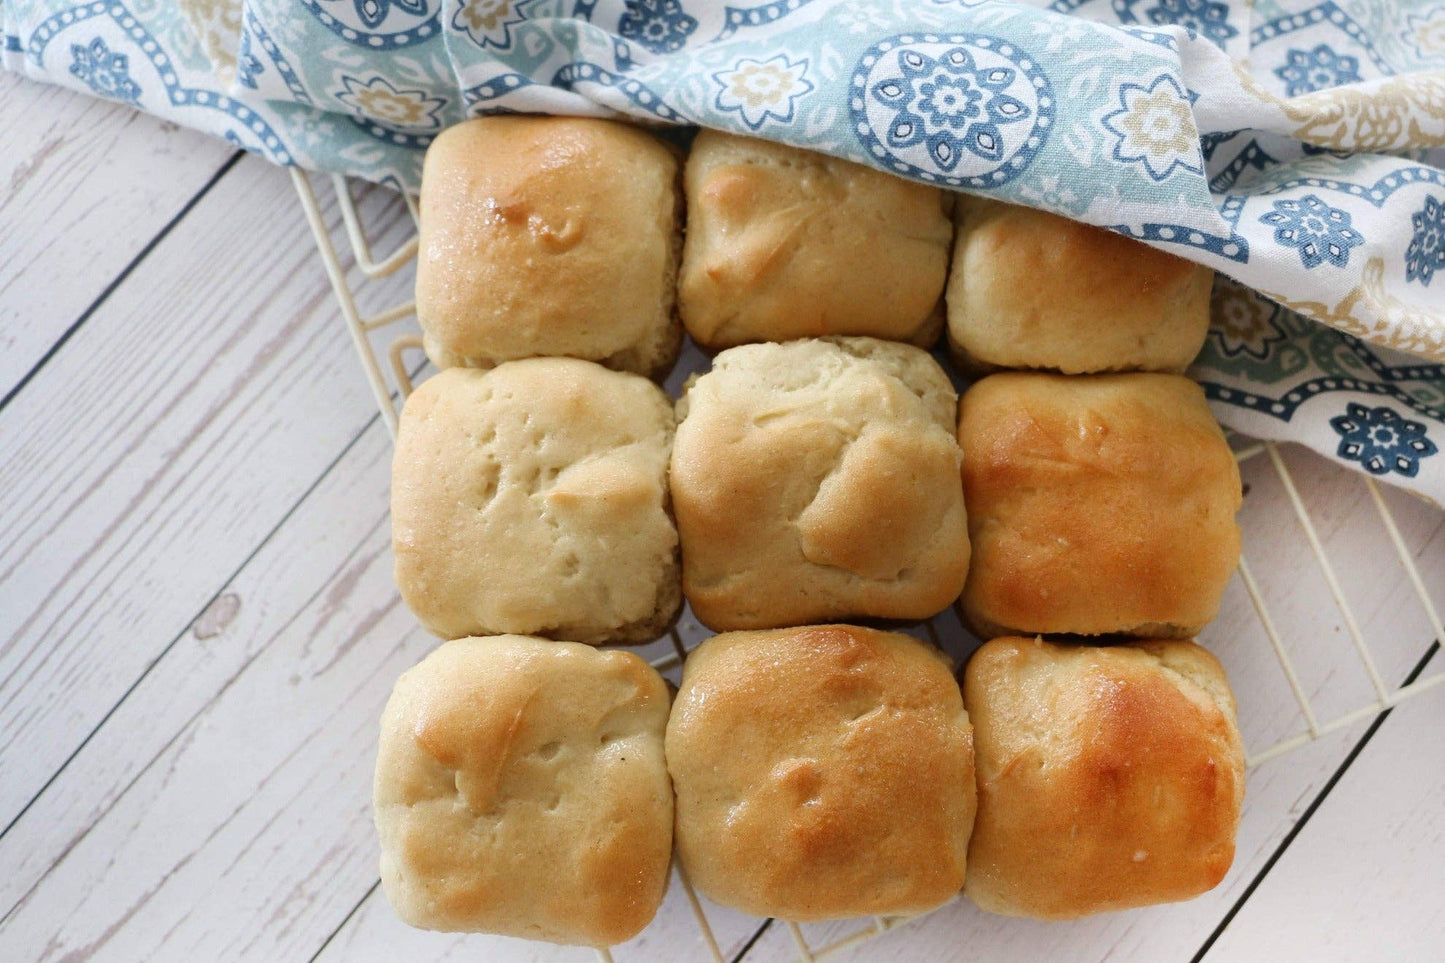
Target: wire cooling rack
(391, 383)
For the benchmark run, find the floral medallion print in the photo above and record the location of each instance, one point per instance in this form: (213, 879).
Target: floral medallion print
(1154, 127)
(762, 89)
(1306, 71)
(659, 25)
(1426, 253)
(488, 23)
(1244, 322)
(376, 99)
(1316, 230)
(1205, 17)
(378, 24)
(106, 73)
(962, 109)
(1426, 32)
(1382, 441)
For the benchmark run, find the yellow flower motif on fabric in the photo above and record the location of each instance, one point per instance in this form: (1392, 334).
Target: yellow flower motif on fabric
(1427, 34)
(376, 99)
(762, 89)
(484, 15)
(1154, 126)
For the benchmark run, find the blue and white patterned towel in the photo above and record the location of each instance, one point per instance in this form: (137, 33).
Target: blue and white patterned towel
(1286, 143)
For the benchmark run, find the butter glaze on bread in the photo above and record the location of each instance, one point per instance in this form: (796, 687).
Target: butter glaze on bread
(817, 480)
(821, 773)
(1029, 289)
(532, 498)
(521, 789)
(785, 243)
(1108, 777)
(549, 236)
(1097, 505)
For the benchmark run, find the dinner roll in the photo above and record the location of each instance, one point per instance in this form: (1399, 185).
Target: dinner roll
(1034, 290)
(818, 480)
(1096, 505)
(821, 773)
(532, 498)
(549, 236)
(521, 789)
(1108, 778)
(784, 243)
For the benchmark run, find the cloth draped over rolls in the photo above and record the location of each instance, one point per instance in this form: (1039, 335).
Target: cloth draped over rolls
(1292, 145)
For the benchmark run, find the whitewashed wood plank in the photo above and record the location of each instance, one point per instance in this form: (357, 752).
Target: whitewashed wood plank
(84, 186)
(1277, 792)
(154, 451)
(1362, 881)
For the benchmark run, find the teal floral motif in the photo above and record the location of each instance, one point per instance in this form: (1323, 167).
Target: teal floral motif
(1382, 441)
(1426, 253)
(106, 73)
(1245, 323)
(1317, 231)
(659, 25)
(1306, 71)
(1205, 17)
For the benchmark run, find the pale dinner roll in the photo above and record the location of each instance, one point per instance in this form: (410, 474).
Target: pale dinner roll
(549, 236)
(821, 773)
(1108, 777)
(532, 498)
(785, 243)
(817, 480)
(1030, 289)
(1097, 505)
(521, 789)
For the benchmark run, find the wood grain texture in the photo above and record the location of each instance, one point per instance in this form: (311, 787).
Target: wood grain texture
(84, 186)
(1369, 862)
(154, 452)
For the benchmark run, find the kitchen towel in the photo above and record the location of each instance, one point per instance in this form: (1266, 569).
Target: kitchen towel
(1293, 145)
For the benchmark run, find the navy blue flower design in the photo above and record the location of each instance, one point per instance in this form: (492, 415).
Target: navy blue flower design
(1305, 71)
(1426, 253)
(106, 73)
(1381, 440)
(1319, 232)
(951, 105)
(374, 12)
(1207, 18)
(659, 25)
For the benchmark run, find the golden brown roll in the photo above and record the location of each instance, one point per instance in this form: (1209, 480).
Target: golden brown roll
(549, 236)
(784, 243)
(1108, 777)
(1030, 289)
(817, 480)
(821, 773)
(521, 789)
(532, 498)
(1096, 505)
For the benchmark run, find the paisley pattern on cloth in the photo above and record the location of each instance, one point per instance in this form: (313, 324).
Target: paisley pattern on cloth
(1293, 145)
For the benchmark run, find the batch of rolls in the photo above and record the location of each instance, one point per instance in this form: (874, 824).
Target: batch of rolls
(822, 476)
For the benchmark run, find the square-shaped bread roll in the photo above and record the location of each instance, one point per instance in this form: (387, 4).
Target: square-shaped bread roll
(521, 789)
(531, 498)
(821, 773)
(1108, 777)
(817, 480)
(549, 236)
(1097, 505)
(785, 243)
(1031, 289)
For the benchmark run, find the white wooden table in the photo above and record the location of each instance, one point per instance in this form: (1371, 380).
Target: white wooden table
(198, 626)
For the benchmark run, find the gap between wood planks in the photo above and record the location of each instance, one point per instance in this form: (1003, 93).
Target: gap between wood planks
(120, 279)
(1311, 809)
